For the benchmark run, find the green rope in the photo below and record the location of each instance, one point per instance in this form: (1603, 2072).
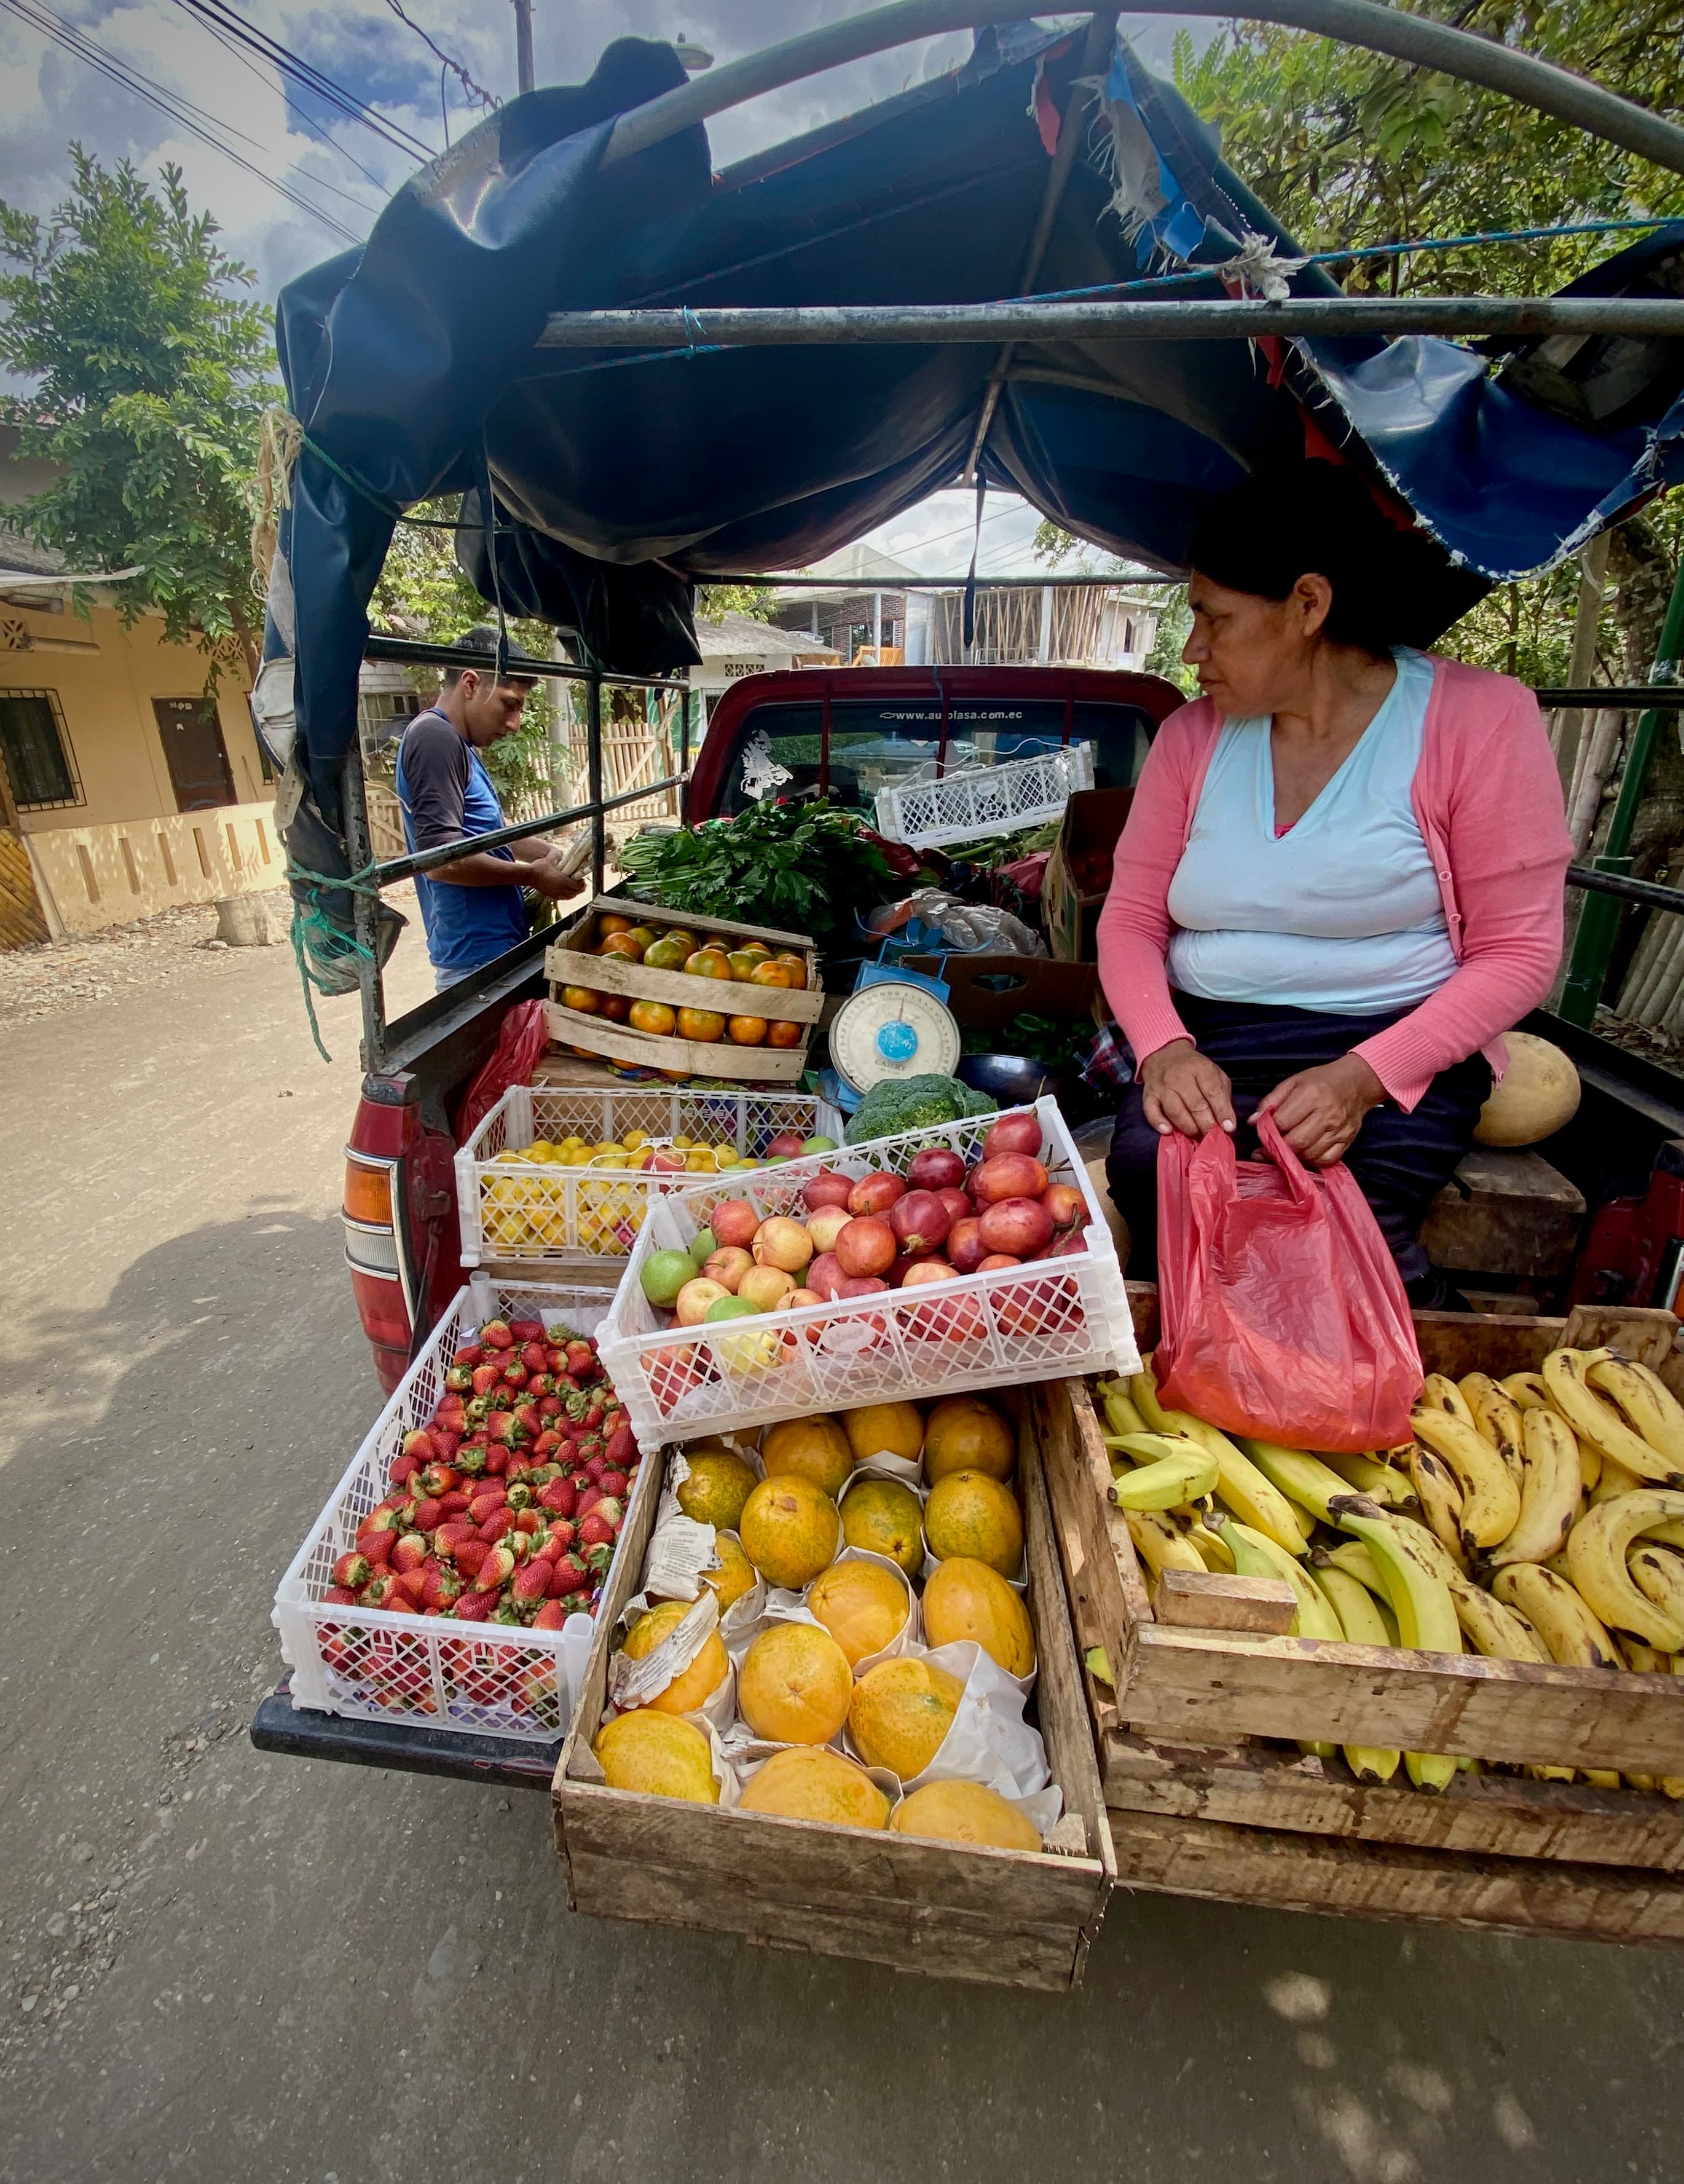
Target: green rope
(313, 918)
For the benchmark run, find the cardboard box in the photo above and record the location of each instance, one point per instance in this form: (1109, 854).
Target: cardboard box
(1069, 910)
(985, 992)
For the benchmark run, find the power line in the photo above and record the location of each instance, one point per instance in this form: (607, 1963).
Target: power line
(309, 77)
(474, 91)
(180, 111)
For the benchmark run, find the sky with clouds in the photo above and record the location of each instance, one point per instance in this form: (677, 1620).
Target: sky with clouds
(273, 132)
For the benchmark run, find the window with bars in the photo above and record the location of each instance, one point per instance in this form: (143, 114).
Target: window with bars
(40, 764)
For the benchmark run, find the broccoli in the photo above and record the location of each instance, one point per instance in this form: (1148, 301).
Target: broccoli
(913, 1103)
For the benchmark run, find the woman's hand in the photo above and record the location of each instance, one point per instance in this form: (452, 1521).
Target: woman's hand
(1185, 1091)
(1319, 1111)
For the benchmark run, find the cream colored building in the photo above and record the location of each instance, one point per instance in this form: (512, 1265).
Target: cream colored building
(124, 789)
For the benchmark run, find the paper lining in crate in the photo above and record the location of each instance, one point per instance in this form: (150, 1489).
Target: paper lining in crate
(963, 806)
(483, 1678)
(574, 1216)
(1010, 1327)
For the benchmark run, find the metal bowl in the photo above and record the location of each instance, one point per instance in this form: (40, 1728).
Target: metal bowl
(1009, 1078)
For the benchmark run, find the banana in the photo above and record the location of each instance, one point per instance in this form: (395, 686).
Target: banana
(1097, 1664)
(1304, 1479)
(1551, 1493)
(1491, 1501)
(1120, 1414)
(1172, 1471)
(1243, 1487)
(1143, 1394)
(1602, 1778)
(1211, 1548)
(1419, 1597)
(1595, 1555)
(1315, 1618)
(1430, 1771)
(1571, 1634)
(1440, 1393)
(1526, 1389)
(1160, 1544)
(1668, 1534)
(1591, 1466)
(1658, 1575)
(1473, 1385)
(1566, 1374)
(1643, 1660)
(1497, 1419)
(1382, 1483)
(1352, 1556)
(1499, 1632)
(1440, 1500)
(1359, 1616)
(1551, 1774)
(1613, 1479)
(1653, 1411)
(1248, 1560)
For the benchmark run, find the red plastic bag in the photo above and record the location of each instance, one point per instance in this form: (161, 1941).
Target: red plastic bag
(1284, 1315)
(520, 1042)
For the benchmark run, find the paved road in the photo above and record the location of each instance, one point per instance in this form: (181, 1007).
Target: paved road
(215, 1964)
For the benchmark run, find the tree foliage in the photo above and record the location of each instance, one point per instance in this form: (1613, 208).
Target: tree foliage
(149, 372)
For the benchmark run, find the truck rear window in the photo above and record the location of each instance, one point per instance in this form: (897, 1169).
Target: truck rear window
(877, 744)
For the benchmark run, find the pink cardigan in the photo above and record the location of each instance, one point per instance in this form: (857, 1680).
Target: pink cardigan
(1488, 801)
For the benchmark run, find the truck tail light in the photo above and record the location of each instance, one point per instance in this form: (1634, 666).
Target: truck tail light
(375, 1252)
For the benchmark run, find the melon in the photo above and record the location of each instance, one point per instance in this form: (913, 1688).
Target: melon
(901, 1713)
(811, 1783)
(966, 1813)
(862, 1606)
(658, 1754)
(790, 1530)
(971, 1513)
(807, 1448)
(694, 1686)
(966, 1599)
(1539, 1094)
(794, 1684)
(719, 1484)
(964, 1433)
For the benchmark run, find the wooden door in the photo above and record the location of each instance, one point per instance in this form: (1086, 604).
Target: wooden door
(195, 753)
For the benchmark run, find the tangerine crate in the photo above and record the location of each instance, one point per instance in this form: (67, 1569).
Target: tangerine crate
(964, 805)
(985, 1330)
(1005, 1918)
(371, 1664)
(580, 1217)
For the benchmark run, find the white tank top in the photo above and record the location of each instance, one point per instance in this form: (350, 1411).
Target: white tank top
(1343, 913)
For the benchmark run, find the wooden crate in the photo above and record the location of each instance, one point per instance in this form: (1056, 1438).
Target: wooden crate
(748, 1065)
(1248, 1822)
(1003, 1917)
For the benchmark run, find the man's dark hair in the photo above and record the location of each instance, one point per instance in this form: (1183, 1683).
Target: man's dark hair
(482, 637)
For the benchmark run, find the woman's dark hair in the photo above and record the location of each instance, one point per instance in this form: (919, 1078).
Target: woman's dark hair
(1319, 518)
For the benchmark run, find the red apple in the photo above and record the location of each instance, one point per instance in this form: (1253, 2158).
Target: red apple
(1065, 1203)
(959, 1208)
(796, 1298)
(824, 1275)
(826, 1189)
(927, 1270)
(938, 1169)
(858, 1285)
(996, 1261)
(966, 1247)
(875, 1194)
(727, 1265)
(1020, 1226)
(786, 1145)
(782, 1243)
(1007, 1175)
(1068, 1247)
(920, 1221)
(825, 1226)
(735, 1221)
(866, 1246)
(1018, 1133)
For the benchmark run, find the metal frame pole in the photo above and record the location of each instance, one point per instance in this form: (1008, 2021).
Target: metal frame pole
(593, 758)
(364, 912)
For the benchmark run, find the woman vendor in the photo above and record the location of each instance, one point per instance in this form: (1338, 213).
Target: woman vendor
(1341, 879)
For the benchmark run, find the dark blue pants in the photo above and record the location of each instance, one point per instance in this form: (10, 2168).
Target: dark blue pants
(1400, 1161)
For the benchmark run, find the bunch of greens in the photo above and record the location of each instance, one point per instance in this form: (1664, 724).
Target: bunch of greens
(1056, 1045)
(797, 867)
(913, 1103)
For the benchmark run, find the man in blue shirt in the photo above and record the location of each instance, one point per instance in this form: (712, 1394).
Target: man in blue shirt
(473, 909)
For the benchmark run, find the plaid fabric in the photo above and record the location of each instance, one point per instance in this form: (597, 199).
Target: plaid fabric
(1109, 1063)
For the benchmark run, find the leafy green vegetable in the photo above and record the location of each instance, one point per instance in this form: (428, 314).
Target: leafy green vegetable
(913, 1103)
(1055, 1044)
(796, 867)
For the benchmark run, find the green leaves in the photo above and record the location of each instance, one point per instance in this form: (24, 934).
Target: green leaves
(797, 867)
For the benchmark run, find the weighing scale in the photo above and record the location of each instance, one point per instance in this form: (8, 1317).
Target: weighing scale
(896, 1022)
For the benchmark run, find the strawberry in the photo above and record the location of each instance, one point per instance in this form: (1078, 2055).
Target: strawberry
(621, 1446)
(497, 1334)
(599, 1558)
(612, 1510)
(485, 1502)
(582, 1356)
(596, 1531)
(410, 1551)
(403, 1469)
(555, 1360)
(458, 1378)
(470, 1460)
(496, 1463)
(377, 1546)
(408, 1588)
(443, 1588)
(613, 1483)
(472, 1606)
(535, 1358)
(385, 1519)
(561, 1497)
(549, 1409)
(546, 1444)
(595, 1466)
(383, 1591)
(485, 1377)
(448, 1440)
(449, 1537)
(519, 1497)
(551, 1616)
(532, 1585)
(527, 1418)
(527, 1331)
(429, 1516)
(470, 1354)
(539, 1386)
(518, 1544)
(528, 1521)
(454, 1502)
(494, 1527)
(495, 1570)
(437, 1479)
(594, 1418)
(515, 1376)
(569, 1576)
(420, 1445)
(469, 1555)
(561, 1535)
(352, 1570)
(339, 1596)
(500, 1427)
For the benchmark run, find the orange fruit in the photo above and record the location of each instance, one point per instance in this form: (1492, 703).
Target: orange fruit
(704, 1024)
(735, 1574)
(758, 950)
(742, 964)
(706, 963)
(665, 955)
(901, 1712)
(705, 1674)
(615, 1007)
(586, 998)
(891, 1428)
(790, 1531)
(770, 974)
(970, 1514)
(609, 922)
(864, 1607)
(653, 1017)
(622, 943)
(795, 965)
(719, 1484)
(966, 1599)
(682, 933)
(781, 1034)
(644, 935)
(809, 1783)
(966, 1813)
(794, 1684)
(746, 1031)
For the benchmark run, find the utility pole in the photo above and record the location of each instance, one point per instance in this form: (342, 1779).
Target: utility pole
(523, 43)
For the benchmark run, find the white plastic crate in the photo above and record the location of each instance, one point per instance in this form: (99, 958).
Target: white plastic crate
(373, 1665)
(1047, 1319)
(578, 1217)
(977, 800)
